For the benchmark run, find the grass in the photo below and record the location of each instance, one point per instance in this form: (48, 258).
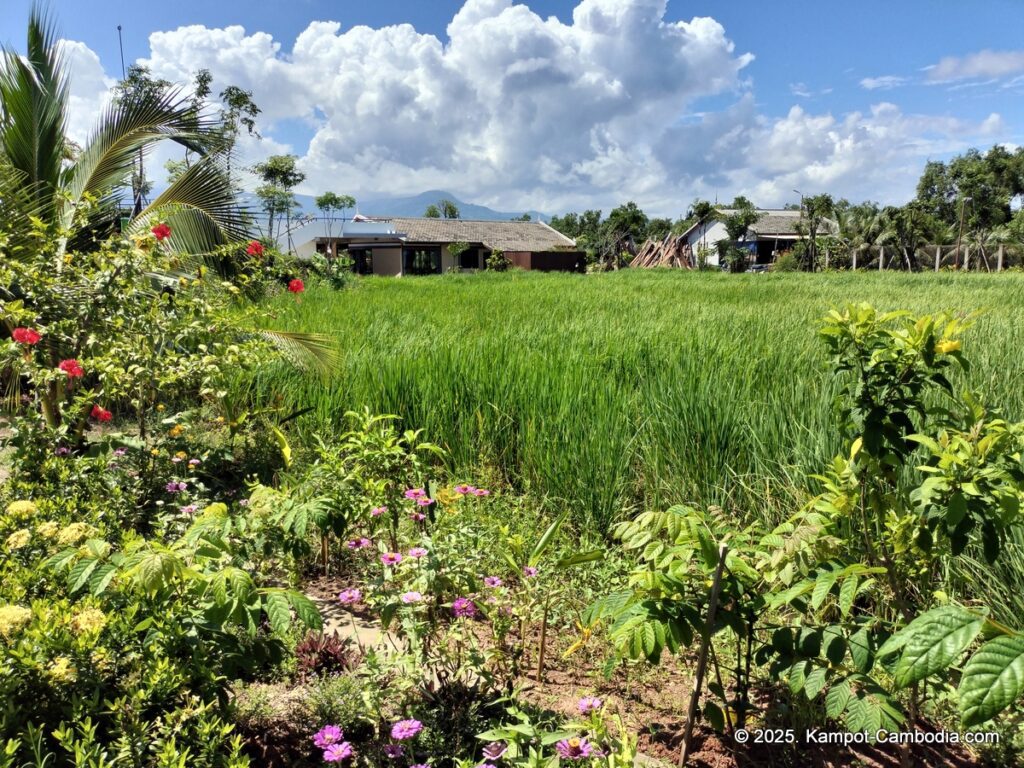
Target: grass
(605, 392)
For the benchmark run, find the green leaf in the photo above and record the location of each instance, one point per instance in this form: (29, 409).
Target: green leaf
(847, 593)
(936, 640)
(957, 509)
(79, 575)
(714, 715)
(278, 611)
(545, 540)
(101, 578)
(822, 586)
(837, 698)
(992, 680)
(580, 557)
(305, 609)
(814, 682)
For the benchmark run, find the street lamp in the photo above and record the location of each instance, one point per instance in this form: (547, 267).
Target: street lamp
(960, 233)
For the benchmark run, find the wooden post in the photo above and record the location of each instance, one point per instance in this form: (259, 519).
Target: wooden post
(967, 258)
(702, 657)
(881, 258)
(826, 259)
(938, 256)
(855, 252)
(999, 259)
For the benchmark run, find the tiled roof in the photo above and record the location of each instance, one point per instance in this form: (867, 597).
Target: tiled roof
(782, 223)
(502, 235)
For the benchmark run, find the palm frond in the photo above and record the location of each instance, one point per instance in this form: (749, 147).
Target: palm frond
(310, 351)
(201, 209)
(33, 110)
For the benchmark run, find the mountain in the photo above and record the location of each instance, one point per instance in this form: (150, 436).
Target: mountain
(415, 206)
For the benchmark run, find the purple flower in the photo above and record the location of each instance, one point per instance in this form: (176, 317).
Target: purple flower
(391, 558)
(417, 552)
(350, 596)
(464, 489)
(361, 543)
(194, 462)
(575, 749)
(529, 570)
(328, 735)
(415, 493)
(493, 582)
(411, 597)
(378, 511)
(495, 750)
(424, 502)
(405, 729)
(189, 509)
(481, 492)
(589, 704)
(418, 517)
(420, 765)
(120, 451)
(174, 487)
(394, 750)
(463, 608)
(63, 451)
(338, 752)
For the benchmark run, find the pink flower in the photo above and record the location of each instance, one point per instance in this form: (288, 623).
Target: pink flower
(463, 608)
(589, 704)
(424, 502)
(391, 558)
(360, 543)
(161, 231)
(495, 750)
(406, 729)
(575, 749)
(415, 493)
(350, 596)
(101, 414)
(27, 336)
(71, 368)
(378, 511)
(417, 552)
(394, 750)
(411, 597)
(464, 489)
(194, 462)
(329, 734)
(529, 570)
(338, 752)
(418, 517)
(493, 582)
(481, 492)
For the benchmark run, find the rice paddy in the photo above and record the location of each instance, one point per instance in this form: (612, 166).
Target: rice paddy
(600, 393)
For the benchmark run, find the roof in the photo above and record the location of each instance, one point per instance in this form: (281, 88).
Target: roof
(775, 223)
(502, 235)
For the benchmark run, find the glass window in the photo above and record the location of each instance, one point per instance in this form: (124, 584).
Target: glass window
(422, 260)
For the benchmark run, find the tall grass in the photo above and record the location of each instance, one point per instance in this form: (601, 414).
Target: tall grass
(609, 391)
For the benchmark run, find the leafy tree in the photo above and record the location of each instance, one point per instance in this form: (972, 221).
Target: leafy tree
(908, 227)
(330, 203)
(816, 209)
(448, 209)
(523, 217)
(432, 212)
(239, 111)
(55, 182)
(658, 229)
(139, 84)
(737, 224)
(627, 221)
(280, 175)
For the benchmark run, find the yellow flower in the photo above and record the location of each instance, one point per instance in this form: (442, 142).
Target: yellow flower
(62, 670)
(181, 455)
(19, 539)
(176, 430)
(74, 533)
(90, 620)
(47, 529)
(21, 510)
(947, 346)
(100, 657)
(161, 408)
(13, 618)
(154, 452)
(219, 419)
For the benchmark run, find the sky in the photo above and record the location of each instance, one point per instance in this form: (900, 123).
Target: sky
(559, 105)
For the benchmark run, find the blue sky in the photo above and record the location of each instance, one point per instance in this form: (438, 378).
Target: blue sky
(610, 100)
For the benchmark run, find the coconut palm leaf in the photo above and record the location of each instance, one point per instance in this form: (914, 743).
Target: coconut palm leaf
(33, 109)
(201, 209)
(310, 351)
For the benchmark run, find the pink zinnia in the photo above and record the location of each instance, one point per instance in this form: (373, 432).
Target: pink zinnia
(493, 581)
(575, 749)
(463, 608)
(391, 558)
(424, 502)
(406, 729)
(417, 552)
(464, 489)
(418, 517)
(101, 414)
(411, 597)
(350, 596)
(589, 704)
(296, 286)
(161, 231)
(338, 752)
(481, 492)
(358, 543)
(529, 570)
(415, 493)
(329, 734)
(378, 511)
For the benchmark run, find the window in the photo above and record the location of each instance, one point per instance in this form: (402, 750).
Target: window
(362, 260)
(470, 259)
(421, 260)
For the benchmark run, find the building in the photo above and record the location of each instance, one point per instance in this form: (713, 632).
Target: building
(775, 231)
(420, 246)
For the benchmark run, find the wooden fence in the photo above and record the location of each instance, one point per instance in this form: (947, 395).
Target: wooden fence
(929, 257)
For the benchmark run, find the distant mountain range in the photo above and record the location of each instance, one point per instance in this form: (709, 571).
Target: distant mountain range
(415, 206)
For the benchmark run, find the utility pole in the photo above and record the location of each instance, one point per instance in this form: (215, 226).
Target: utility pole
(960, 233)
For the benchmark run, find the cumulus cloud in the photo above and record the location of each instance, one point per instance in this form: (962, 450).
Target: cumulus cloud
(89, 88)
(983, 64)
(518, 111)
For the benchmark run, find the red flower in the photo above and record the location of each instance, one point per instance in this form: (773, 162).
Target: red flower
(255, 248)
(71, 368)
(101, 414)
(296, 286)
(26, 336)
(161, 231)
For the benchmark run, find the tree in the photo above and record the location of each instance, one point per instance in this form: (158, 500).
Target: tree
(432, 212)
(523, 217)
(330, 203)
(908, 227)
(815, 210)
(139, 84)
(737, 224)
(448, 208)
(199, 206)
(658, 229)
(280, 175)
(239, 111)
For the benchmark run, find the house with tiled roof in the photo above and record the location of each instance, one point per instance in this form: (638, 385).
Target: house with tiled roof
(774, 231)
(402, 245)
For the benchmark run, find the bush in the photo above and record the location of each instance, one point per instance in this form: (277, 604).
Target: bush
(787, 261)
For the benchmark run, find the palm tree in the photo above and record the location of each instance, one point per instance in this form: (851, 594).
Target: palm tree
(61, 182)
(861, 227)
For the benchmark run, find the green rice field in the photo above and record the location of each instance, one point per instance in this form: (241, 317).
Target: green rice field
(600, 393)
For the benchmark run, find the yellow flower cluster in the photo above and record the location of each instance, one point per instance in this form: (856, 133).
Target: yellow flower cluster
(62, 670)
(19, 539)
(181, 455)
(21, 510)
(74, 533)
(90, 620)
(947, 346)
(13, 618)
(47, 529)
(176, 430)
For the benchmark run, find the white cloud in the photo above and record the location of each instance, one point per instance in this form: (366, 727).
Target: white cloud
(89, 88)
(983, 64)
(884, 82)
(800, 89)
(516, 111)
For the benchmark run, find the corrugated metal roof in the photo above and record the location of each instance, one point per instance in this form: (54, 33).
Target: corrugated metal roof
(502, 235)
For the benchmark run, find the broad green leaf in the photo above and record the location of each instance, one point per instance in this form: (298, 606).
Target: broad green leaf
(847, 593)
(936, 640)
(837, 698)
(580, 557)
(992, 680)
(545, 540)
(79, 575)
(822, 586)
(305, 609)
(278, 611)
(814, 682)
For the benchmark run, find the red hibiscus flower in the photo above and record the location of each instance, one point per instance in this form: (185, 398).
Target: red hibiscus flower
(101, 414)
(71, 368)
(255, 248)
(296, 286)
(161, 231)
(26, 336)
